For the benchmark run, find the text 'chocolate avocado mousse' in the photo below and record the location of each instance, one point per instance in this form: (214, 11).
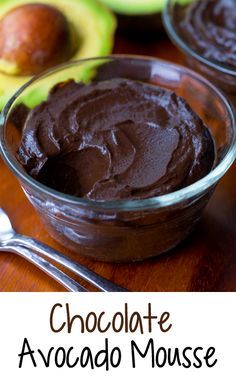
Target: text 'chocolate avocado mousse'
(116, 139)
(209, 28)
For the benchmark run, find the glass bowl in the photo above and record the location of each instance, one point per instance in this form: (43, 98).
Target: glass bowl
(222, 75)
(125, 230)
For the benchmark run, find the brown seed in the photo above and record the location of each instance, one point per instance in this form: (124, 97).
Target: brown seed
(34, 37)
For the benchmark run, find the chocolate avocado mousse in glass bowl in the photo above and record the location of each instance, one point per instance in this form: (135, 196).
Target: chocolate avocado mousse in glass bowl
(205, 30)
(121, 155)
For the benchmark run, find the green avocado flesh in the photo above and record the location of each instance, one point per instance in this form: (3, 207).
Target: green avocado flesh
(95, 26)
(136, 7)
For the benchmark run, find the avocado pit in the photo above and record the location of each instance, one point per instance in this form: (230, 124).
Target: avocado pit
(34, 37)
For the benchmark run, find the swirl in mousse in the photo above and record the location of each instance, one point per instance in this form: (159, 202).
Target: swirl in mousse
(116, 139)
(209, 28)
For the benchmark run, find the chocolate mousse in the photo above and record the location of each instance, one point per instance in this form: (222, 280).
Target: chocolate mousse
(116, 139)
(209, 28)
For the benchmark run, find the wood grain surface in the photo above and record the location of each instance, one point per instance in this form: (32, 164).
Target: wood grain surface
(206, 261)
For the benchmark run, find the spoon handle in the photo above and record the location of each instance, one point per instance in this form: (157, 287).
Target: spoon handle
(46, 266)
(82, 271)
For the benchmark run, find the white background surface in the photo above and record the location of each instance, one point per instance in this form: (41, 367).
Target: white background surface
(197, 320)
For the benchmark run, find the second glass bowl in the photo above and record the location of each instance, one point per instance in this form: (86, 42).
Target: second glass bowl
(124, 230)
(222, 75)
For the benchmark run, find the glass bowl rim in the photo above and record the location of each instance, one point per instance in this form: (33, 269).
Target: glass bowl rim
(173, 34)
(122, 205)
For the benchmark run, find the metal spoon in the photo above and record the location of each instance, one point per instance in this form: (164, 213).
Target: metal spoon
(13, 242)
(45, 266)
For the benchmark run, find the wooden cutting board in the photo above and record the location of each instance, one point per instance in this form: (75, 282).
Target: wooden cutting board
(206, 261)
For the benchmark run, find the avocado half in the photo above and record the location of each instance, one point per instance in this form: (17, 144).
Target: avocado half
(93, 22)
(138, 17)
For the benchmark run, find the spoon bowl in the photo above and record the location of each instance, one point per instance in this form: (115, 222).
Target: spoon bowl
(6, 229)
